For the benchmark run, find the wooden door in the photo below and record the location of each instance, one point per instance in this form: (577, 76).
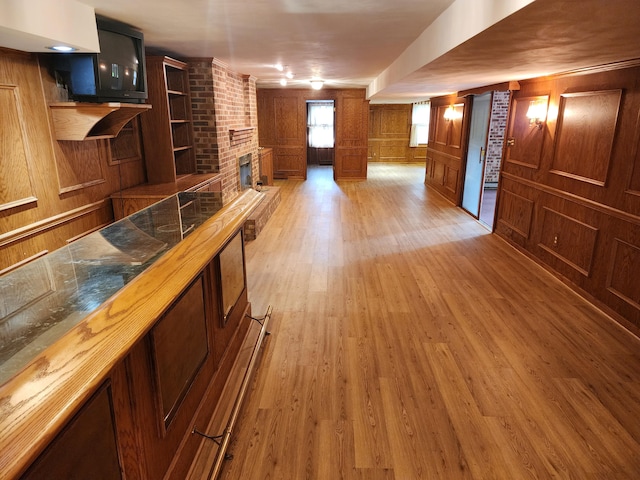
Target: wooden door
(289, 150)
(352, 127)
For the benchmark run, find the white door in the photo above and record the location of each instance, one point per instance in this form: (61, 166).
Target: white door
(476, 153)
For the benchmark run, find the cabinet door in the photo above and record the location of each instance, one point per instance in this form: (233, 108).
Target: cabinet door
(232, 293)
(169, 372)
(86, 447)
(180, 347)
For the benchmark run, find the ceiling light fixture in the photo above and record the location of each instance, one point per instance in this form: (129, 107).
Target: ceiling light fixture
(317, 84)
(62, 48)
(278, 67)
(283, 82)
(289, 75)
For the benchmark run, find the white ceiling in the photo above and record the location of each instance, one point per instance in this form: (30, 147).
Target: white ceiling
(400, 50)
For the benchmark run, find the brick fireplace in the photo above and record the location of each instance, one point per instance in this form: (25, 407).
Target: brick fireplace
(225, 121)
(244, 167)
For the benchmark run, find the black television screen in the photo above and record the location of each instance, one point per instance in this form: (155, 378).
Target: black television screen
(117, 73)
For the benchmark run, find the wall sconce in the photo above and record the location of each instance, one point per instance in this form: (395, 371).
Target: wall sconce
(537, 113)
(449, 113)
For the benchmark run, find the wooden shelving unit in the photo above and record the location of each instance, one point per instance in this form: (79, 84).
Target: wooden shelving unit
(168, 133)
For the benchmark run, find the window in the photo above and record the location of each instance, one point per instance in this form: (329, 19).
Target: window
(420, 124)
(320, 123)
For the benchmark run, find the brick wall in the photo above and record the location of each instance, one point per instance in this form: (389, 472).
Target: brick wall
(495, 141)
(222, 101)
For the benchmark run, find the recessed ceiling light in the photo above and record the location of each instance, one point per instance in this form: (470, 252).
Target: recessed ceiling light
(278, 67)
(289, 75)
(283, 82)
(62, 48)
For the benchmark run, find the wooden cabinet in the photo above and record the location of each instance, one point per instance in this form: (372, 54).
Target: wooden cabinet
(266, 165)
(168, 130)
(88, 444)
(129, 201)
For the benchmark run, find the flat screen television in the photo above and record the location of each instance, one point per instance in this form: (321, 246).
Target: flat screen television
(116, 74)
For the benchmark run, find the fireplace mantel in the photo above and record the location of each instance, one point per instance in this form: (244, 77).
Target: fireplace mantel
(241, 135)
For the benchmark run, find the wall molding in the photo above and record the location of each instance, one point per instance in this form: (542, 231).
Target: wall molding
(49, 223)
(592, 204)
(611, 284)
(554, 241)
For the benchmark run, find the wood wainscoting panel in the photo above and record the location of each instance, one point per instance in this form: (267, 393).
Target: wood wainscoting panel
(352, 127)
(36, 283)
(287, 118)
(583, 147)
(633, 186)
(448, 131)
(455, 127)
(349, 162)
(417, 154)
(516, 212)
(622, 278)
(45, 183)
(395, 122)
(16, 184)
(353, 122)
(441, 126)
(445, 151)
(393, 152)
(127, 146)
(569, 240)
(524, 141)
(389, 132)
(79, 164)
(429, 170)
(439, 172)
(443, 173)
(72, 216)
(451, 177)
(289, 162)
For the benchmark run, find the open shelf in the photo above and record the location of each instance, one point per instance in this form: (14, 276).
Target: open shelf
(240, 135)
(89, 121)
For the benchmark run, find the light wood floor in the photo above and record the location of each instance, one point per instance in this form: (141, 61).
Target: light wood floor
(410, 343)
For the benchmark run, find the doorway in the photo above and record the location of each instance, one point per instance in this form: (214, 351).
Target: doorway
(320, 133)
(476, 154)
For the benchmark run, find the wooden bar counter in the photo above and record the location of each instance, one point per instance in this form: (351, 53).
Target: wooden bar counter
(118, 350)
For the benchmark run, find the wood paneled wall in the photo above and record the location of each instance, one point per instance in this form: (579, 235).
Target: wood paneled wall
(51, 191)
(389, 132)
(282, 125)
(447, 146)
(570, 191)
